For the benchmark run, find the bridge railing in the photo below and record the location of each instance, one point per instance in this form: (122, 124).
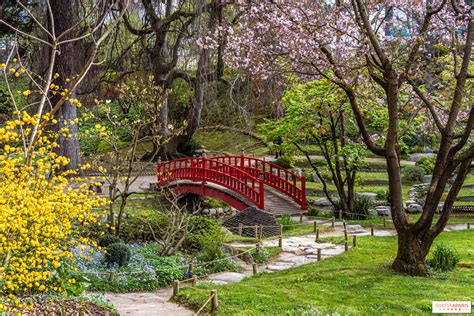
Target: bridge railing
(215, 171)
(272, 175)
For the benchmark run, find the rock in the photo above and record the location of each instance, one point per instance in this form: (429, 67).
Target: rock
(226, 277)
(427, 178)
(322, 202)
(384, 210)
(205, 211)
(414, 208)
(417, 156)
(440, 207)
(373, 212)
(410, 202)
(427, 150)
(368, 195)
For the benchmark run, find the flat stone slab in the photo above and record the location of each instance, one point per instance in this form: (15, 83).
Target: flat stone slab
(146, 304)
(226, 277)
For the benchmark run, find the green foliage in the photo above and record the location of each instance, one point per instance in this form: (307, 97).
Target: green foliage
(134, 226)
(189, 147)
(217, 263)
(413, 173)
(262, 256)
(117, 253)
(206, 235)
(427, 163)
(313, 212)
(286, 162)
(383, 194)
(286, 219)
(106, 240)
(444, 258)
(362, 205)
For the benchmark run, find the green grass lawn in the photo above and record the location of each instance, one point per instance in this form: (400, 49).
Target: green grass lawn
(357, 282)
(231, 143)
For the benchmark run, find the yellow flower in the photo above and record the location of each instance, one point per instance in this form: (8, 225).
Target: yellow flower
(3, 66)
(26, 93)
(56, 76)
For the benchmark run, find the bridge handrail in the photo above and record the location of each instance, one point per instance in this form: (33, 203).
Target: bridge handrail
(207, 169)
(284, 181)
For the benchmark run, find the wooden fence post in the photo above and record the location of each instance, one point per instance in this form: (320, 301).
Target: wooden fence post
(281, 230)
(372, 230)
(280, 242)
(314, 226)
(384, 221)
(214, 301)
(333, 222)
(256, 232)
(261, 232)
(240, 229)
(257, 249)
(319, 254)
(354, 241)
(346, 246)
(317, 234)
(111, 276)
(254, 268)
(345, 234)
(301, 218)
(468, 225)
(175, 287)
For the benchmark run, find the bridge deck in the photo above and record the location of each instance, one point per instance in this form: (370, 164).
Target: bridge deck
(275, 203)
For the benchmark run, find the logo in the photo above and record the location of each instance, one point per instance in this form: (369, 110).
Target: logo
(451, 307)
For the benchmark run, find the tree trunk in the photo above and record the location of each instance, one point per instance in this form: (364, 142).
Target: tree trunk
(411, 254)
(65, 14)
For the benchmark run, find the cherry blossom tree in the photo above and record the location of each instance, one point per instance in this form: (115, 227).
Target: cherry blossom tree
(381, 51)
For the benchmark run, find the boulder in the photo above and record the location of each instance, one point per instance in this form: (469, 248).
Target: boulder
(368, 195)
(414, 208)
(373, 212)
(322, 202)
(384, 210)
(440, 207)
(427, 178)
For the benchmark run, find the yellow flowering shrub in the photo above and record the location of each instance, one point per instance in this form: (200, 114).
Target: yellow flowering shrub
(41, 210)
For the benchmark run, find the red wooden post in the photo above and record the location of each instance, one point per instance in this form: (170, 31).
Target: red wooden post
(262, 195)
(303, 190)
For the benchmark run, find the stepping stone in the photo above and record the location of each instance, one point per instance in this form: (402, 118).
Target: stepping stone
(226, 277)
(275, 268)
(296, 260)
(384, 233)
(332, 251)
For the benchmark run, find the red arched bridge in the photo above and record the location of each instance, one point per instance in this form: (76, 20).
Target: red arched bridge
(240, 181)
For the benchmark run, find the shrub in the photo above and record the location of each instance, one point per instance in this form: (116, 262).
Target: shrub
(362, 205)
(427, 163)
(106, 240)
(117, 253)
(313, 212)
(40, 212)
(206, 235)
(444, 258)
(261, 257)
(189, 147)
(222, 262)
(285, 219)
(286, 162)
(383, 195)
(413, 173)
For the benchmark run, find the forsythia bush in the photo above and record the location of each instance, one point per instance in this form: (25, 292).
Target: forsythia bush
(41, 208)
